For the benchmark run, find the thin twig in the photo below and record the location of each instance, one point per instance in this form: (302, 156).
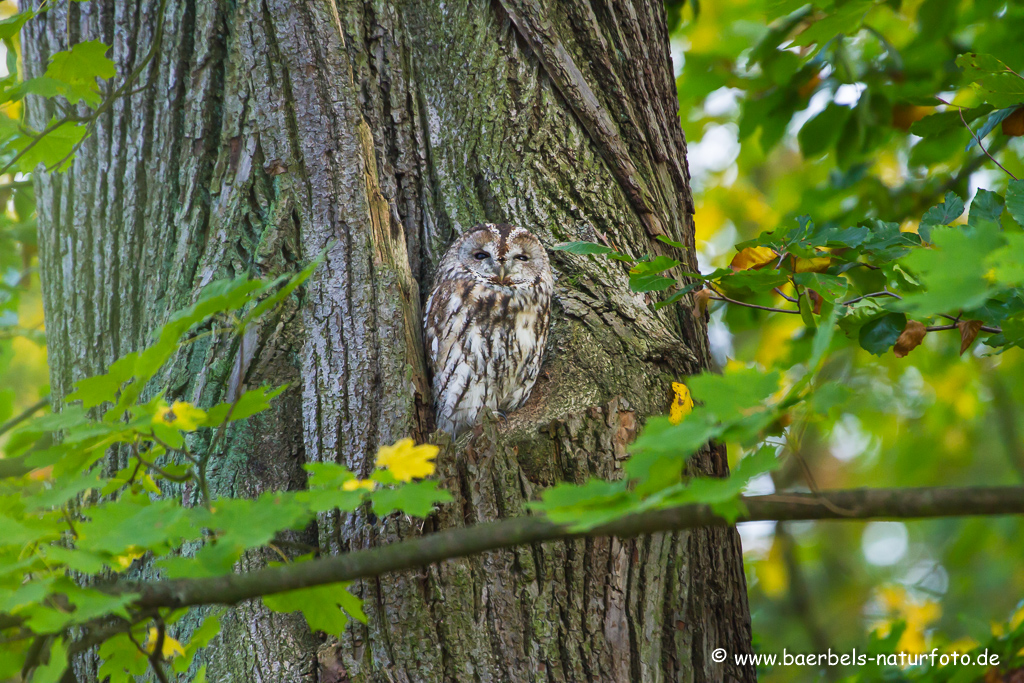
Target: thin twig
(760, 308)
(884, 292)
(24, 415)
(960, 111)
(785, 296)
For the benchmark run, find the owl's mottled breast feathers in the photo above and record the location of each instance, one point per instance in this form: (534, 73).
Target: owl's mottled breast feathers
(487, 323)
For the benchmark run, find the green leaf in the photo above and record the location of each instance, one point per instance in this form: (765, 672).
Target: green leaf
(947, 121)
(715, 491)
(754, 280)
(251, 402)
(879, 335)
(997, 83)
(584, 506)
(830, 287)
(660, 437)
(945, 213)
(417, 498)
(987, 206)
(583, 248)
(10, 26)
(120, 657)
(54, 669)
(658, 264)
(821, 133)
(51, 148)
(1006, 264)
(321, 606)
(731, 395)
(77, 70)
(284, 292)
(678, 294)
(135, 520)
(76, 559)
(671, 243)
(845, 19)
(650, 283)
(1015, 201)
(953, 274)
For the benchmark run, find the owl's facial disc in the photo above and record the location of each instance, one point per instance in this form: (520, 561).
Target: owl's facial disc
(503, 256)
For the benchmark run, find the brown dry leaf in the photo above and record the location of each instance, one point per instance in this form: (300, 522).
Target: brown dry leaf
(808, 88)
(700, 302)
(1013, 125)
(816, 300)
(968, 332)
(910, 338)
(752, 257)
(904, 115)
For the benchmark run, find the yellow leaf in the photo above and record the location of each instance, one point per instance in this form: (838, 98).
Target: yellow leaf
(918, 615)
(181, 415)
(811, 265)
(123, 561)
(356, 484)
(682, 403)
(171, 648)
(407, 461)
(149, 484)
(772, 574)
(752, 257)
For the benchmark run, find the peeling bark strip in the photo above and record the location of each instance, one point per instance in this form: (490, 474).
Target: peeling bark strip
(267, 130)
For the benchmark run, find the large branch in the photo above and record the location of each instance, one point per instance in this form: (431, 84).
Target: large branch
(857, 504)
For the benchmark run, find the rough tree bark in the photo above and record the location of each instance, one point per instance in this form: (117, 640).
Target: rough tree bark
(264, 131)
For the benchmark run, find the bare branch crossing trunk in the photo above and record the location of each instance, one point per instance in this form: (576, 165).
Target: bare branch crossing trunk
(265, 131)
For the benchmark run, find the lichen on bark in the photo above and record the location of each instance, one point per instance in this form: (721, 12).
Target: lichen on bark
(266, 131)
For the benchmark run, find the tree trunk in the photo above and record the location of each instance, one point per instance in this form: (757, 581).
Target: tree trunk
(264, 131)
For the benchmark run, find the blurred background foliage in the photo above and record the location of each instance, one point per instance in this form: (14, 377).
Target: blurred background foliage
(794, 109)
(790, 109)
(23, 370)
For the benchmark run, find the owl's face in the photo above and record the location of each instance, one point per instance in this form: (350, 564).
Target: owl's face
(502, 255)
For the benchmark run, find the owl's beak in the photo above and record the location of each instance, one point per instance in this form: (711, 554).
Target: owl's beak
(502, 273)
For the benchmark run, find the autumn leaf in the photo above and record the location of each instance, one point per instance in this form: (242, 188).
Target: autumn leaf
(905, 115)
(811, 265)
(41, 474)
(752, 257)
(180, 415)
(816, 300)
(407, 461)
(171, 647)
(122, 562)
(968, 332)
(682, 403)
(910, 338)
(356, 484)
(700, 302)
(1013, 125)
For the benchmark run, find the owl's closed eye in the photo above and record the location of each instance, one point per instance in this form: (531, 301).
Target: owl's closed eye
(487, 323)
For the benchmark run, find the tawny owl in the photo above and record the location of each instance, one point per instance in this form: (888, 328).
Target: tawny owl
(487, 323)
